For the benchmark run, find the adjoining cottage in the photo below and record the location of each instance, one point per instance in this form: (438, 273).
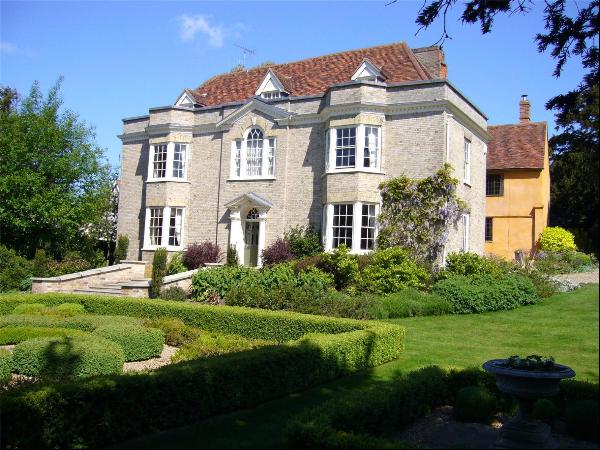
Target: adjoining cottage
(518, 185)
(249, 154)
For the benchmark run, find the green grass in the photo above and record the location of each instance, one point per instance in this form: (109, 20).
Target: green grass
(564, 326)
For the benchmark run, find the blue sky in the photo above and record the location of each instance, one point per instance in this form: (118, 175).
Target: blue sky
(120, 58)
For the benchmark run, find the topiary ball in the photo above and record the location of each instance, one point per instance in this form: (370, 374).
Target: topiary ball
(475, 404)
(137, 342)
(67, 357)
(582, 419)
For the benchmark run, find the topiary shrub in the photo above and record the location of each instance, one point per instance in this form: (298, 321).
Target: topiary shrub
(276, 253)
(138, 343)
(69, 357)
(159, 270)
(14, 335)
(475, 404)
(39, 309)
(341, 265)
(30, 308)
(5, 366)
(303, 241)
(232, 256)
(122, 247)
(557, 239)
(176, 332)
(14, 269)
(214, 344)
(67, 310)
(391, 270)
(582, 419)
(544, 410)
(174, 293)
(176, 264)
(197, 255)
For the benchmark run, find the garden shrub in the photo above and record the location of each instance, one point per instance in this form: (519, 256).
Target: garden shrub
(63, 310)
(214, 344)
(198, 254)
(174, 293)
(14, 269)
(30, 308)
(176, 332)
(159, 270)
(303, 241)
(138, 343)
(68, 357)
(88, 322)
(341, 265)
(553, 263)
(411, 302)
(14, 335)
(468, 263)
(40, 263)
(475, 404)
(582, 419)
(544, 410)
(232, 256)
(176, 264)
(478, 294)
(122, 247)
(276, 253)
(71, 263)
(557, 239)
(391, 270)
(5, 365)
(217, 279)
(544, 286)
(309, 262)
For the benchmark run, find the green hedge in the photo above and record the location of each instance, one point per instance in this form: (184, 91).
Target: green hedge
(63, 310)
(102, 410)
(83, 323)
(62, 358)
(14, 335)
(5, 365)
(137, 342)
(214, 344)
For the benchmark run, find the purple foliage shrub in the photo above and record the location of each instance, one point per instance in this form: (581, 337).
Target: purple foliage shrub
(197, 255)
(278, 252)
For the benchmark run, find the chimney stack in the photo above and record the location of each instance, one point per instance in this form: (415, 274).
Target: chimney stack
(524, 110)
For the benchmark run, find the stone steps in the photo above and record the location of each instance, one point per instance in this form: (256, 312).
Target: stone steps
(101, 291)
(111, 288)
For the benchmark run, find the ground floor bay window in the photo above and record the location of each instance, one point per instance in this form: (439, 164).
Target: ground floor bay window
(164, 227)
(352, 225)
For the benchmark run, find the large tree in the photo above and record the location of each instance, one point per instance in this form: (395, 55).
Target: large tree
(55, 183)
(574, 156)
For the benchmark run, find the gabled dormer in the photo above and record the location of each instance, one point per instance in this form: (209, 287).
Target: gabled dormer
(187, 99)
(271, 87)
(368, 71)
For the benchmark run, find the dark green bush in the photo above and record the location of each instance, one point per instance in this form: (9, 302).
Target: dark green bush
(72, 262)
(14, 335)
(176, 332)
(582, 419)
(232, 256)
(303, 241)
(214, 344)
(174, 293)
(217, 279)
(391, 270)
(411, 302)
(122, 247)
(159, 270)
(14, 269)
(68, 357)
(137, 342)
(5, 366)
(482, 293)
(341, 265)
(467, 264)
(475, 404)
(544, 410)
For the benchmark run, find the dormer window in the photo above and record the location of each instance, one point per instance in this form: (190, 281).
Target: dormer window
(367, 71)
(187, 99)
(271, 88)
(271, 95)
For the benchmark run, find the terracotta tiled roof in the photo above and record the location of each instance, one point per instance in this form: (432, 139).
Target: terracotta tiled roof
(518, 146)
(315, 75)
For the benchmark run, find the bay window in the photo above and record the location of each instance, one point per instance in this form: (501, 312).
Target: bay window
(352, 225)
(164, 228)
(353, 148)
(253, 157)
(168, 162)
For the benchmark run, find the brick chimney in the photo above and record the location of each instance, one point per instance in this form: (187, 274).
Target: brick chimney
(524, 110)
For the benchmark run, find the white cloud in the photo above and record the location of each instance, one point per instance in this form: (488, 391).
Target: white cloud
(7, 47)
(191, 25)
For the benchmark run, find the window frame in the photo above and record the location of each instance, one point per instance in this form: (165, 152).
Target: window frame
(356, 229)
(169, 162)
(467, 162)
(490, 227)
(359, 157)
(466, 235)
(268, 157)
(165, 228)
(500, 185)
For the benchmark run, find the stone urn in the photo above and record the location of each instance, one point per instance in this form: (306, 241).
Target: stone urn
(527, 386)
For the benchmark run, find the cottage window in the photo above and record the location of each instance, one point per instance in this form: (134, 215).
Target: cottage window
(164, 228)
(350, 224)
(353, 148)
(253, 157)
(467, 162)
(494, 185)
(168, 162)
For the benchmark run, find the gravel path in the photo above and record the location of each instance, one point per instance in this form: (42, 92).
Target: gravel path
(151, 364)
(579, 278)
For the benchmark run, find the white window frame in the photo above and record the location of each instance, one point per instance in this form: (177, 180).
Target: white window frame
(466, 237)
(356, 226)
(269, 158)
(467, 162)
(359, 166)
(166, 220)
(170, 157)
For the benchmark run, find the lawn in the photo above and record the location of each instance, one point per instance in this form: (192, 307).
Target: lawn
(564, 326)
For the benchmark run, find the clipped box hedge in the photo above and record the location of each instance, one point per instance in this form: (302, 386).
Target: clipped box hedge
(137, 342)
(5, 365)
(106, 409)
(14, 335)
(83, 323)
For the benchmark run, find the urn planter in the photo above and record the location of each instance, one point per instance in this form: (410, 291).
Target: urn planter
(526, 386)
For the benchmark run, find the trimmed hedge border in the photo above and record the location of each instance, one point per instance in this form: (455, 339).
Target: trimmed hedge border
(14, 335)
(137, 342)
(83, 323)
(106, 409)
(5, 365)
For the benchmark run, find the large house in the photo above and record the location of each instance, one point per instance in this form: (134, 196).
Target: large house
(251, 153)
(517, 186)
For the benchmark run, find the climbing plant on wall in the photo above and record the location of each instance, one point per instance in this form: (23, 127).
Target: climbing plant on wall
(417, 214)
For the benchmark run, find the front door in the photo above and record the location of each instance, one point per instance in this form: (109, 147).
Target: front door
(251, 244)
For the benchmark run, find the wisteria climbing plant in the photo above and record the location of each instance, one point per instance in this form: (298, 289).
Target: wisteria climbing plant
(417, 214)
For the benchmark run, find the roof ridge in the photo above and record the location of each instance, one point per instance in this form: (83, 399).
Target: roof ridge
(541, 122)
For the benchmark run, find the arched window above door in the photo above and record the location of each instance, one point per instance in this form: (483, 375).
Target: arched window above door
(252, 214)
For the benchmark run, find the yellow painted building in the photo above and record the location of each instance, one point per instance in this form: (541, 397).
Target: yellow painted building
(517, 185)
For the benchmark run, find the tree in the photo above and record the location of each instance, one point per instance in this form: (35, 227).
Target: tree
(55, 183)
(574, 156)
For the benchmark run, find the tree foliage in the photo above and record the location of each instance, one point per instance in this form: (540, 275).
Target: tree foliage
(55, 184)
(417, 214)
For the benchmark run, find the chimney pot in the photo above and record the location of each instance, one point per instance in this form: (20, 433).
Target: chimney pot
(524, 110)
